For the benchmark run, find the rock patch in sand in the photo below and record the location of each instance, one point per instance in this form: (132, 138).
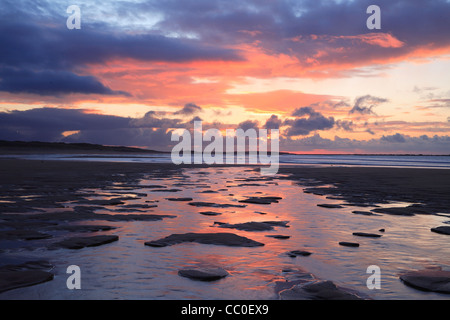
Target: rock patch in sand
(330, 206)
(261, 200)
(225, 239)
(204, 273)
(406, 211)
(251, 185)
(428, 280)
(302, 285)
(278, 236)
(365, 213)
(296, 253)
(441, 230)
(82, 228)
(130, 217)
(349, 244)
(215, 205)
(179, 199)
(82, 242)
(210, 213)
(208, 191)
(254, 225)
(318, 290)
(365, 234)
(110, 202)
(24, 275)
(165, 190)
(23, 234)
(139, 206)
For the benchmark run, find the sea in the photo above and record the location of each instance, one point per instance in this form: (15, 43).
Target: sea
(415, 161)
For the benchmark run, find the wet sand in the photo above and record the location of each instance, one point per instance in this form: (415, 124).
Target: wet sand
(355, 185)
(374, 185)
(427, 185)
(45, 204)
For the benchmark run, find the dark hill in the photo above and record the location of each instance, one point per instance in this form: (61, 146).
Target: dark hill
(62, 147)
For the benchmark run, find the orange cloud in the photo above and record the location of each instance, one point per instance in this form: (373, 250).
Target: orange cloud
(385, 40)
(174, 84)
(283, 101)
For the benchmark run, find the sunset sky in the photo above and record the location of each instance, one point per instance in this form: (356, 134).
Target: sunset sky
(136, 70)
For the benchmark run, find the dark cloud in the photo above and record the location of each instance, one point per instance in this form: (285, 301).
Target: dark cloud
(437, 103)
(248, 124)
(365, 104)
(273, 122)
(206, 30)
(368, 130)
(189, 109)
(49, 124)
(304, 28)
(299, 112)
(304, 126)
(34, 38)
(51, 83)
(396, 138)
(156, 139)
(330, 105)
(396, 143)
(61, 119)
(150, 120)
(191, 122)
(46, 58)
(340, 104)
(49, 46)
(344, 125)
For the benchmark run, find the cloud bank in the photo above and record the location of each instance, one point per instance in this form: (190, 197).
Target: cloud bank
(150, 131)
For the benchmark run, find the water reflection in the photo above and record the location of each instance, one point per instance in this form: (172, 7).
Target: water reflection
(128, 269)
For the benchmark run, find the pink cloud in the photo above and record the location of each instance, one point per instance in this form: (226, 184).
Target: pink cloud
(385, 40)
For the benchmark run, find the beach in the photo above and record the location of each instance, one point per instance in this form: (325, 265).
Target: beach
(161, 231)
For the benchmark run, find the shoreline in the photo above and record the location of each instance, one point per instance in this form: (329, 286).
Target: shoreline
(164, 158)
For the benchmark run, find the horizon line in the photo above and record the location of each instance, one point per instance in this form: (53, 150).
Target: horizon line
(134, 149)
